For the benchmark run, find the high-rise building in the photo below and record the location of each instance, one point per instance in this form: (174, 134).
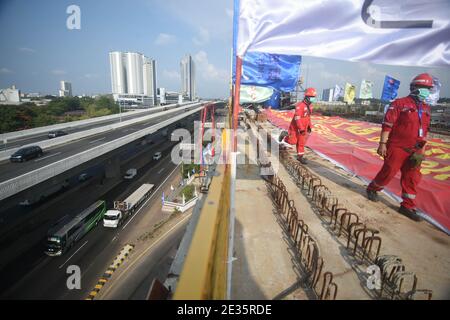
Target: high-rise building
(134, 68)
(187, 67)
(118, 72)
(149, 82)
(65, 89)
(133, 78)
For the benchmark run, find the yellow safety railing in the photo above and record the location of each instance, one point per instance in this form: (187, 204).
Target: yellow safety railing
(204, 274)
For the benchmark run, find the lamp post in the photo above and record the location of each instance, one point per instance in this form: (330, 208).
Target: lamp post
(120, 110)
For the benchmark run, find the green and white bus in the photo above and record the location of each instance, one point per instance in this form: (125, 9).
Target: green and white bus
(63, 236)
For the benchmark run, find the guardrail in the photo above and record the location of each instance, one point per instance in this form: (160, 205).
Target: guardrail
(45, 144)
(80, 123)
(17, 184)
(204, 274)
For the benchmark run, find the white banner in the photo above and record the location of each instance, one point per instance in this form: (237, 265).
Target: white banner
(403, 32)
(365, 91)
(254, 94)
(338, 92)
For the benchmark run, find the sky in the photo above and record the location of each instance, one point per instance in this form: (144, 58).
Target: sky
(38, 50)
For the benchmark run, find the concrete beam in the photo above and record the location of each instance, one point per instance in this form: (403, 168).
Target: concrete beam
(45, 144)
(18, 184)
(81, 123)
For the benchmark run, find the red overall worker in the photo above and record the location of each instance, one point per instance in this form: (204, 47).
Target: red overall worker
(300, 125)
(402, 142)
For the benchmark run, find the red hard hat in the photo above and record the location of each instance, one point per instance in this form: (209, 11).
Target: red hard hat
(422, 80)
(310, 92)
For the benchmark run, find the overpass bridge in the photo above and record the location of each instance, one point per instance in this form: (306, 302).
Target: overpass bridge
(11, 141)
(68, 152)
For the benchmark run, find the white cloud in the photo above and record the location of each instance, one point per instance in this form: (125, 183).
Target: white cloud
(91, 75)
(202, 37)
(27, 50)
(5, 71)
(207, 70)
(164, 39)
(171, 74)
(58, 72)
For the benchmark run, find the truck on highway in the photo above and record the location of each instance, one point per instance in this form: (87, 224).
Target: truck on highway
(66, 232)
(123, 209)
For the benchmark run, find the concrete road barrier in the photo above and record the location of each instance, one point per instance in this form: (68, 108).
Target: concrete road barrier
(46, 144)
(29, 179)
(81, 123)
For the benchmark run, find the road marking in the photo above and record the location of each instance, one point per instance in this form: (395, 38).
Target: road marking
(114, 238)
(73, 254)
(52, 155)
(93, 141)
(151, 196)
(159, 172)
(125, 271)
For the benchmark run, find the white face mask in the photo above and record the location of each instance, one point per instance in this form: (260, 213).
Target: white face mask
(312, 99)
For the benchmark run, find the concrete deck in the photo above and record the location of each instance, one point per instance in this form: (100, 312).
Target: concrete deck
(265, 265)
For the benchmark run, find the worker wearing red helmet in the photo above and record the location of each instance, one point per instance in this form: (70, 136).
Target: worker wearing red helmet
(300, 125)
(402, 142)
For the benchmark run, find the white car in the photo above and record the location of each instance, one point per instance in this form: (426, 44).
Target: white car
(112, 218)
(157, 156)
(130, 174)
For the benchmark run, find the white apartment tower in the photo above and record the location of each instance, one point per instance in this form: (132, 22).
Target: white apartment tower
(65, 89)
(118, 72)
(135, 71)
(187, 67)
(149, 79)
(133, 75)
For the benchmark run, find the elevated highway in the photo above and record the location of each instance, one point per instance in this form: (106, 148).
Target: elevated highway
(14, 140)
(16, 177)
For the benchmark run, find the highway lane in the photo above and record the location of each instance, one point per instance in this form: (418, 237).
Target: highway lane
(22, 141)
(135, 278)
(10, 170)
(45, 277)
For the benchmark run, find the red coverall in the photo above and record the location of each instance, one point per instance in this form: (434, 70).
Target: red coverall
(300, 123)
(403, 123)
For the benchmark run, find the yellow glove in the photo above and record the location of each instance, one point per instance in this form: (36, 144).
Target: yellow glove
(416, 159)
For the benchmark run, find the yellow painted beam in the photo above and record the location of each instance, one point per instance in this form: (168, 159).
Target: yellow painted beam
(204, 274)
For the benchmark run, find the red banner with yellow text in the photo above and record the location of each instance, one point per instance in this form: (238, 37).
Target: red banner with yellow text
(353, 145)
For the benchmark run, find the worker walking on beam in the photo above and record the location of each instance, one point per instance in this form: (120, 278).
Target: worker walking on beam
(301, 125)
(402, 142)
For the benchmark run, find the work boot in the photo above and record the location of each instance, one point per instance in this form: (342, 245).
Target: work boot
(302, 159)
(372, 195)
(410, 213)
(283, 134)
